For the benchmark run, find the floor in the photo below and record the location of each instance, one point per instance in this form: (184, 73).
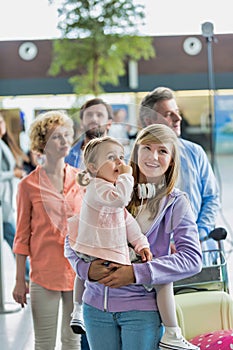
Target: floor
(15, 323)
(16, 331)
(16, 328)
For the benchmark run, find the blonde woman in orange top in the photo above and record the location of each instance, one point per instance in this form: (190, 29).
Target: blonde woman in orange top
(46, 198)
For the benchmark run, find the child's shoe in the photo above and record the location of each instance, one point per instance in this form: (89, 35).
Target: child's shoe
(77, 323)
(173, 340)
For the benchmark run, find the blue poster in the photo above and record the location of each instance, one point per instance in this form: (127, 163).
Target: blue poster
(224, 124)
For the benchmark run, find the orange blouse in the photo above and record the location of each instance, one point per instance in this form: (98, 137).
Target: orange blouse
(42, 214)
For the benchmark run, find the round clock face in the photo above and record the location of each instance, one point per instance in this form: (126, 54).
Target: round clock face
(28, 51)
(192, 46)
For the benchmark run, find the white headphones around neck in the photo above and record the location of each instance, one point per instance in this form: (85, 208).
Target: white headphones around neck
(148, 190)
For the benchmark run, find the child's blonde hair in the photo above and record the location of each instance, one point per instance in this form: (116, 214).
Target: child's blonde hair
(90, 155)
(158, 134)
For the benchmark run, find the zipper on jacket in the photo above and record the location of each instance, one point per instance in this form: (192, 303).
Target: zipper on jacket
(105, 298)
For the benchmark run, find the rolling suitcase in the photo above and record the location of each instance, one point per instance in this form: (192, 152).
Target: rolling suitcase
(202, 312)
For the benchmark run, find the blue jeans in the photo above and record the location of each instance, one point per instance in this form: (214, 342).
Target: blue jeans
(128, 330)
(9, 235)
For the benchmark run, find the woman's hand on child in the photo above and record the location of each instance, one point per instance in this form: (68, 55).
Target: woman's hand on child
(120, 275)
(98, 270)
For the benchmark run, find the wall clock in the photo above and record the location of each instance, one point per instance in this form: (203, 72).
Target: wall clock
(192, 46)
(28, 51)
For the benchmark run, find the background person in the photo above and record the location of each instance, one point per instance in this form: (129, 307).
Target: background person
(10, 174)
(22, 160)
(116, 304)
(96, 119)
(196, 175)
(120, 130)
(46, 198)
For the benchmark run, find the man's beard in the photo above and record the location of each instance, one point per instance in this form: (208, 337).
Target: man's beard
(95, 132)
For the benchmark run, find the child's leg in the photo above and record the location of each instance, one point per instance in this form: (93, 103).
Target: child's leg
(77, 323)
(78, 291)
(166, 304)
(172, 337)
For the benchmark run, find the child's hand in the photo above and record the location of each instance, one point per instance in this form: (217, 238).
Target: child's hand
(173, 248)
(146, 254)
(125, 169)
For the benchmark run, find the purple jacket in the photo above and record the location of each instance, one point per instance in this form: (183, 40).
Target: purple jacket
(176, 221)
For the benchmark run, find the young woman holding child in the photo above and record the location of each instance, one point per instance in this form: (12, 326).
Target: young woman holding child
(119, 305)
(105, 227)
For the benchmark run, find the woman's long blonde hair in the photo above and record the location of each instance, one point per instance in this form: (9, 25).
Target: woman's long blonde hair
(158, 134)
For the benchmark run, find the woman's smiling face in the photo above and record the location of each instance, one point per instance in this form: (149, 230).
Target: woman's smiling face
(154, 160)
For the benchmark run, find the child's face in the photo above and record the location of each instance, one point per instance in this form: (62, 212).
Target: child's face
(154, 160)
(109, 157)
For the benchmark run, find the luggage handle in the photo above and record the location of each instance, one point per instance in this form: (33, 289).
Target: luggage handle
(182, 290)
